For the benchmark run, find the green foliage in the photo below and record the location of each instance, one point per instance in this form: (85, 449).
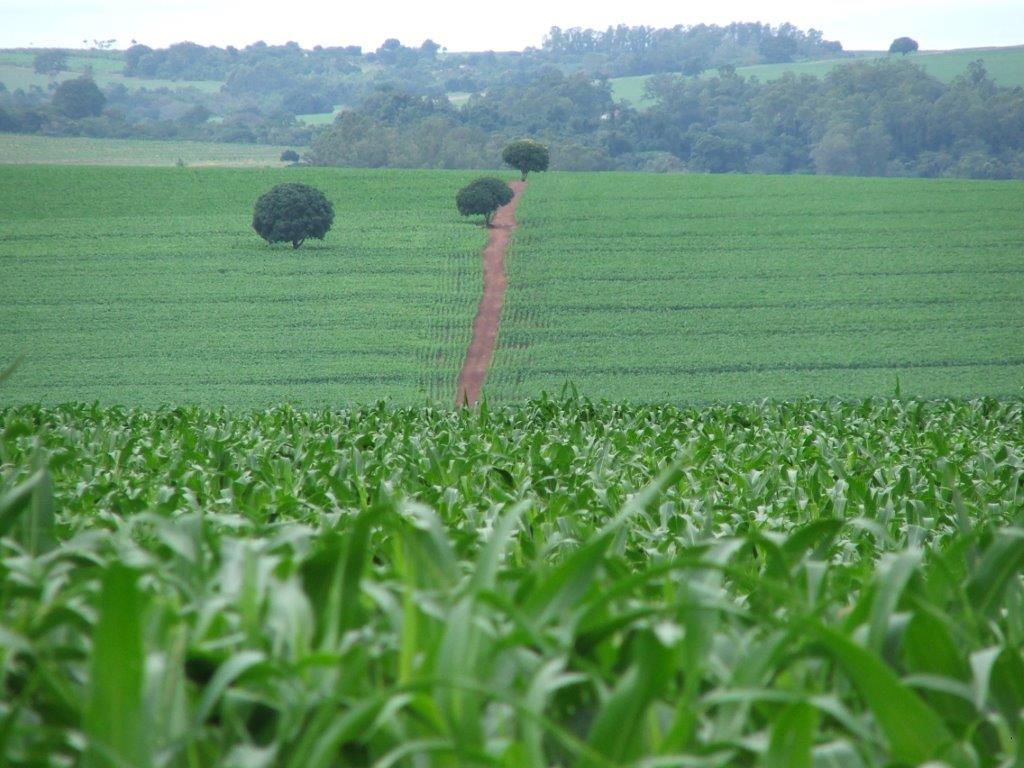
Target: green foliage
(289, 156)
(483, 197)
(559, 583)
(841, 125)
(625, 50)
(388, 111)
(115, 713)
(292, 212)
(17, 70)
(903, 45)
(78, 98)
(187, 308)
(50, 61)
(526, 155)
(1005, 65)
(692, 288)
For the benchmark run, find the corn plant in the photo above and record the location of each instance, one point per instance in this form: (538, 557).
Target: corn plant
(559, 583)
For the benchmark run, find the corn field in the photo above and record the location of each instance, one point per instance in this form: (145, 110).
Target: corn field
(560, 583)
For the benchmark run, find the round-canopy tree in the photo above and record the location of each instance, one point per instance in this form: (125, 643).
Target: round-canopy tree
(482, 197)
(903, 45)
(78, 98)
(50, 62)
(289, 213)
(526, 155)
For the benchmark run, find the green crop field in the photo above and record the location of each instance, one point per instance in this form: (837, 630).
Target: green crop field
(320, 118)
(24, 149)
(716, 288)
(148, 286)
(1004, 65)
(550, 585)
(105, 67)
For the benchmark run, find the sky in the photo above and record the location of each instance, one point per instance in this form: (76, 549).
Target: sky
(464, 25)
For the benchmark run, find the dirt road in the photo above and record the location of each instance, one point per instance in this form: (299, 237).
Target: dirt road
(488, 313)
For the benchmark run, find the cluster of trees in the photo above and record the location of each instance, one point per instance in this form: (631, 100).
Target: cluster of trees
(622, 50)
(885, 117)
(395, 128)
(304, 81)
(293, 212)
(162, 113)
(189, 61)
(266, 87)
(625, 50)
(50, 61)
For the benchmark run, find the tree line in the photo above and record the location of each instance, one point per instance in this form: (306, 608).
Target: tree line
(882, 117)
(265, 87)
(643, 50)
(875, 118)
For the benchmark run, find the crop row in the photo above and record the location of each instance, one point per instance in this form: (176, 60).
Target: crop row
(561, 583)
(147, 286)
(696, 277)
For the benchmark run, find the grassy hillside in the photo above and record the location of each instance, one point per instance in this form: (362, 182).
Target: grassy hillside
(148, 286)
(1005, 65)
(21, 149)
(809, 584)
(16, 71)
(693, 287)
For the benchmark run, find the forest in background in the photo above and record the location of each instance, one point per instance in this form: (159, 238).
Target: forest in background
(423, 106)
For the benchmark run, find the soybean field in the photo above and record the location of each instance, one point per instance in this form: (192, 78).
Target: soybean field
(147, 286)
(693, 288)
(557, 583)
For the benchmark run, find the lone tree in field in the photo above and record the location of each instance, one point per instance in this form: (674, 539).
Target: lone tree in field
(78, 98)
(903, 45)
(289, 156)
(289, 213)
(482, 197)
(526, 155)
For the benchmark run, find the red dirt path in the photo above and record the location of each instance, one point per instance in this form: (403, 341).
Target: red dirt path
(488, 313)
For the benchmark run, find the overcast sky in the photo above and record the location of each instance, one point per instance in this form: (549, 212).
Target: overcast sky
(474, 25)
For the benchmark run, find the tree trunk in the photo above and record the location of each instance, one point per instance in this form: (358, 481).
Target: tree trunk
(297, 243)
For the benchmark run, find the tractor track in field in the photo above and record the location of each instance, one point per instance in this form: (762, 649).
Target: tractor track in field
(488, 313)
